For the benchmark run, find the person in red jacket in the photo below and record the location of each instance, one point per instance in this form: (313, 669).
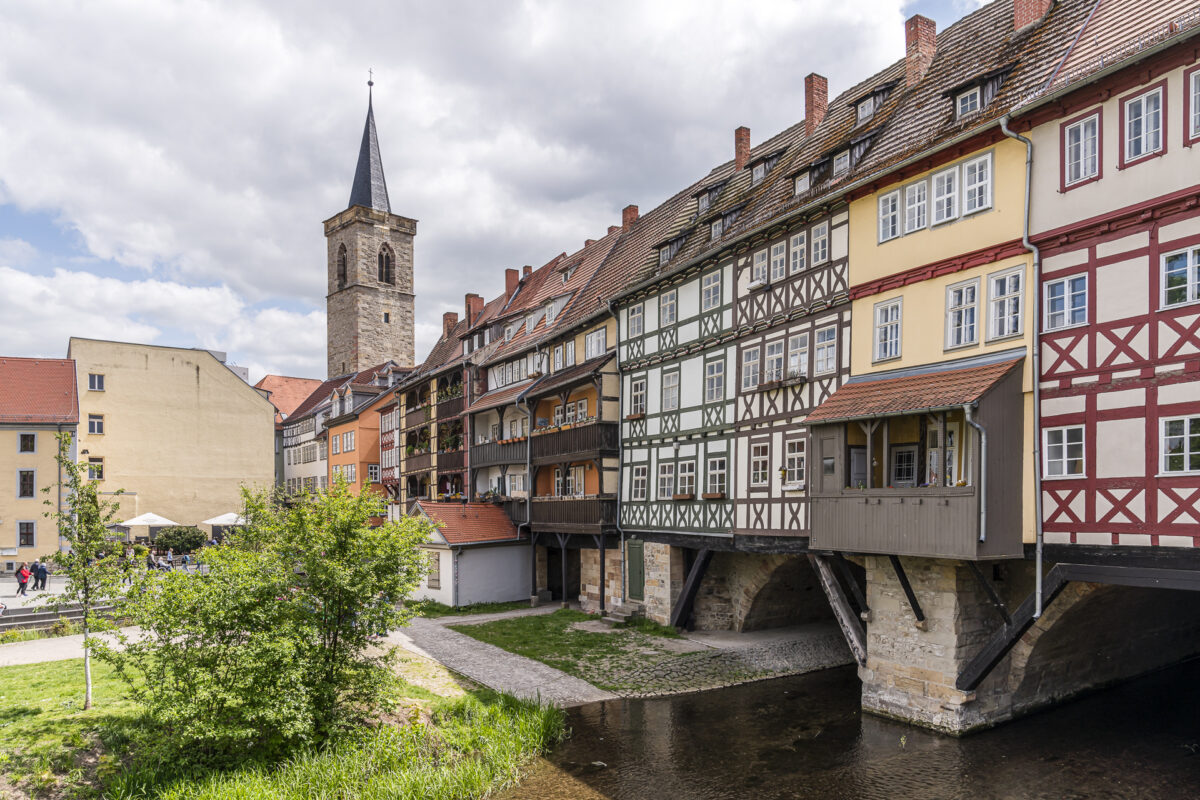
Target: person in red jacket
(23, 574)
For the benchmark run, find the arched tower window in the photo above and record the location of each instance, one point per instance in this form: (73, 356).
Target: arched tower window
(341, 267)
(387, 265)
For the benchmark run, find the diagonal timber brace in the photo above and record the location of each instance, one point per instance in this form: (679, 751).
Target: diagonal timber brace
(852, 626)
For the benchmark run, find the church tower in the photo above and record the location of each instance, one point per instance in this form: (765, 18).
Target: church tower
(369, 307)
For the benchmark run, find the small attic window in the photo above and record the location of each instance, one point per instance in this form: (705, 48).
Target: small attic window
(568, 272)
(841, 163)
(802, 183)
(715, 229)
(967, 103)
(865, 109)
(702, 202)
(531, 323)
(668, 250)
(508, 333)
(549, 313)
(758, 173)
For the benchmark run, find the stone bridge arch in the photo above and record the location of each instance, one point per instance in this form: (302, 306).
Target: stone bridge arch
(743, 592)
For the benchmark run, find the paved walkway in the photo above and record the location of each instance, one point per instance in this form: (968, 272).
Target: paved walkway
(54, 648)
(491, 666)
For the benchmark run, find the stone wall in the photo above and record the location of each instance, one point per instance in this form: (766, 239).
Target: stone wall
(744, 592)
(664, 580)
(589, 579)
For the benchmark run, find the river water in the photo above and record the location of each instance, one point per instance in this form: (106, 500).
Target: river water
(804, 737)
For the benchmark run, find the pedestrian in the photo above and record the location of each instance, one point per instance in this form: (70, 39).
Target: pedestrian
(41, 574)
(22, 579)
(150, 561)
(170, 558)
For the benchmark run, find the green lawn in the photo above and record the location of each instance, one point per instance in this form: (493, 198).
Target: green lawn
(434, 609)
(460, 747)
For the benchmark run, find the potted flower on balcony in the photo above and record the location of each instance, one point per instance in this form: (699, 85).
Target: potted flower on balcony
(683, 496)
(713, 496)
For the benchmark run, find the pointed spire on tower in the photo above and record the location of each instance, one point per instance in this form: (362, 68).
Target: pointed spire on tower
(370, 187)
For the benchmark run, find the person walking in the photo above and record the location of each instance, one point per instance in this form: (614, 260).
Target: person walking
(22, 579)
(41, 574)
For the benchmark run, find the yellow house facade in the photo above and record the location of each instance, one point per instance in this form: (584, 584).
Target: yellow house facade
(174, 428)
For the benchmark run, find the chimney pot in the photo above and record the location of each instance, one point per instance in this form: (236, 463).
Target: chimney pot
(1027, 12)
(511, 278)
(629, 216)
(449, 320)
(920, 43)
(588, 242)
(741, 148)
(526, 271)
(474, 307)
(816, 101)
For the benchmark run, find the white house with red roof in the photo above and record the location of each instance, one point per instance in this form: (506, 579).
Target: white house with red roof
(475, 555)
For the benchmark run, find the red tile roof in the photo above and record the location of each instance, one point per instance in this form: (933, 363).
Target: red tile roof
(468, 523)
(36, 390)
(287, 393)
(498, 397)
(929, 390)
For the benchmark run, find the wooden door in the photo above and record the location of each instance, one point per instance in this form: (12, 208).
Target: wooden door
(635, 559)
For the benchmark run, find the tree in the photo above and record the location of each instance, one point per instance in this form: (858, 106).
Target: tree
(91, 561)
(180, 538)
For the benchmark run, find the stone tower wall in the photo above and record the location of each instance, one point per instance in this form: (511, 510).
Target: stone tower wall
(357, 335)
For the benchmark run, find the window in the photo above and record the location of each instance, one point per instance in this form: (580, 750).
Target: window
(373, 473)
(25, 483)
(341, 267)
(558, 357)
(799, 252)
(716, 475)
(1066, 302)
(714, 230)
(841, 163)
(1193, 89)
(575, 485)
(596, 343)
(387, 265)
(569, 413)
(1081, 156)
(1181, 444)
(569, 353)
(581, 409)
(1064, 451)
(96, 469)
(387, 317)
(1143, 125)
(797, 355)
(774, 361)
(637, 320)
(977, 184)
(26, 534)
(1181, 277)
(714, 381)
(95, 382)
(687, 477)
(794, 459)
(335, 444)
(887, 330)
(945, 196)
(638, 488)
(668, 308)
(760, 458)
(508, 332)
(820, 243)
(702, 202)
(967, 102)
(889, 216)
(351, 472)
(802, 183)
(826, 353)
(864, 110)
(933, 455)
(637, 396)
(750, 367)
(557, 415)
(670, 391)
(27, 442)
(549, 313)
(666, 481)
(904, 466)
(1004, 318)
(710, 296)
(758, 274)
(960, 314)
(433, 577)
(778, 261)
(915, 206)
(758, 173)
(516, 484)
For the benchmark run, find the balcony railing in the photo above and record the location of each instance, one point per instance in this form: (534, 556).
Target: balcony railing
(450, 461)
(921, 521)
(492, 453)
(450, 407)
(417, 462)
(573, 514)
(389, 475)
(579, 441)
(418, 416)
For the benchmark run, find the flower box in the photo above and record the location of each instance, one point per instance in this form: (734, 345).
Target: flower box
(713, 495)
(684, 496)
(635, 416)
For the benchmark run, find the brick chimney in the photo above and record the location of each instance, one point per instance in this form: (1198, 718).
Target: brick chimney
(588, 242)
(1027, 12)
(511, 278)
(741, 147)
(920, 43)
(449, 320)
(816, 101)
(526, 271)
(613, 229)
(629, 216)
(474, 307)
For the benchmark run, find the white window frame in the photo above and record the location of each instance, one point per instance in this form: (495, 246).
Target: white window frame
(1068, 310)
(945, 197)
(864, 110)
(962, 315)
(595, 344)
(1079, 162)
(774, 361)
(825, 351)
(666, 480)
(1194, 122)
(820, 243)
(779, 261)
(916, 206)
(968, 102)
(714, 230)
(757, 173)
(1057, 453)
(372, 473)
(799, 252)
(794, 462)
(569, 353)
(95, 381)
(1008, 305)
(801, 183)
(716, 476)
(888, 316)
(637, 395)
(1191, 276)
(797, 355)
(841, 163)
(751, 362)
(668, 302)
(1145, 137)
(670, 390)
(758, 272)
(335, 444)
(710, 294)
(889, 216)
(685, 477)
(638, 482)
(760, 464)
(1188, 440)
(714, 381)
(977, 184)
(637, 320)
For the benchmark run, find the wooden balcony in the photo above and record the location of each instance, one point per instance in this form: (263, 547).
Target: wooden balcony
(418, 416)
(591, 440)
(418, 462)
(450, 461)
(450, 407)
(492, 453)
(924, 521)
(573, 514)
(389, 475)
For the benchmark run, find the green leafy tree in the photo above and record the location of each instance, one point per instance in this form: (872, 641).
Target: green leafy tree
(91, 560)
(180, 538)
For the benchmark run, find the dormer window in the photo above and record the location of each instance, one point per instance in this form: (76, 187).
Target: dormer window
(508, 333)
(530, 323)
(668, 250)
(715, 229)
(841, 163)
(568, 272)
(758, 173)
(549, 313)
(967, 103)
(702, 203)
(865, 109)
(802, 182)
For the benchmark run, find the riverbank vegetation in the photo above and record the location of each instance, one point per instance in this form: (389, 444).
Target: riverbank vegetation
(432, 609)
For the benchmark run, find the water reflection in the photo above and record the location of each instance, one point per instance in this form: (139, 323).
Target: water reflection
(804, 737)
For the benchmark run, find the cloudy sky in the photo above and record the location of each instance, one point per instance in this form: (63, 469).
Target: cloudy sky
(165, 167)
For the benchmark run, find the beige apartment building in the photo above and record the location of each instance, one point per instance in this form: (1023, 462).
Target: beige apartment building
(178, 430)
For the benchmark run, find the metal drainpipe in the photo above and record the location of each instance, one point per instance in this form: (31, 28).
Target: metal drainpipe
(59, 508)
(1036, 363)
(620, 445)
(968, 413)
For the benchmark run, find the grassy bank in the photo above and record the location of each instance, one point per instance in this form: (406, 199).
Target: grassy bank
(434, 609)
(442, 747)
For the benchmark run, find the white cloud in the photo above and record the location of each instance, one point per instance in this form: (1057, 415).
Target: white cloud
(16, 253)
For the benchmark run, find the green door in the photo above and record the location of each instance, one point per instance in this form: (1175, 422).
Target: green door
(635, 559)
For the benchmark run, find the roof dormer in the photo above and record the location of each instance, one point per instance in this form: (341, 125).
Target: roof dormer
(973, 96)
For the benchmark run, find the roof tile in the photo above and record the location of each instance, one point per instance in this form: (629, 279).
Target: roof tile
(38, 390)
(468, 523)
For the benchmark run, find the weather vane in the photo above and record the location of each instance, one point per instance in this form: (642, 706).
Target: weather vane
(370, 77)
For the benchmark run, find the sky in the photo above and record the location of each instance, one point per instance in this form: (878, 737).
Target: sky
(165, 167)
